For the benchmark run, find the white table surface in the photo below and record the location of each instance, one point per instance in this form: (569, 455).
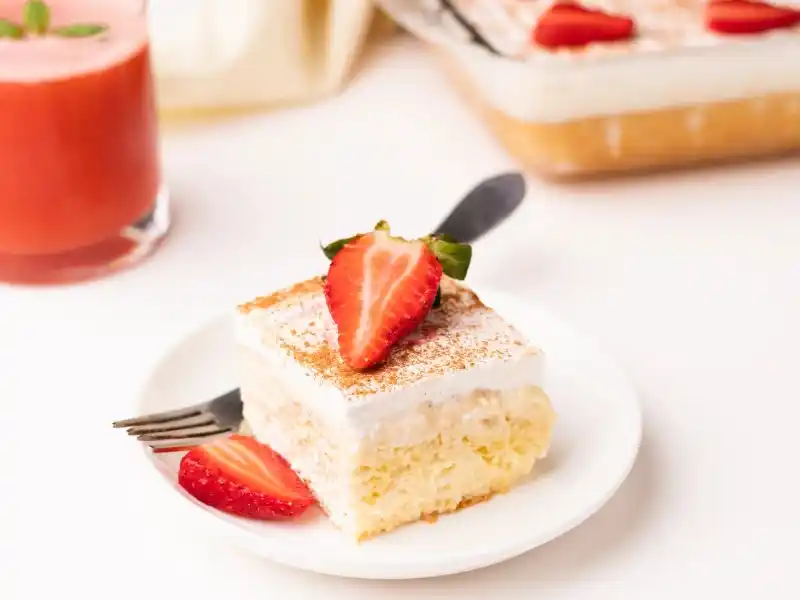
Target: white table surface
(692, 280)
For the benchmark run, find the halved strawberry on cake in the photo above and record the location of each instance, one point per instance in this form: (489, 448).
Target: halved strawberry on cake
(389, 387)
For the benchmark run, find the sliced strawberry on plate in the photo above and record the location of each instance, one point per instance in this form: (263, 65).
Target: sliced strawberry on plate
(748, 16)
(379, 289)
(572, 25)
(240, 476)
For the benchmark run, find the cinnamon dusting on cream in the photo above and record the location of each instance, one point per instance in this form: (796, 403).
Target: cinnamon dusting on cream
(459, 335)
(310, 286)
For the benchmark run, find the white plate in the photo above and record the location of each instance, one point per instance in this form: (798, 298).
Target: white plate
(595, 443)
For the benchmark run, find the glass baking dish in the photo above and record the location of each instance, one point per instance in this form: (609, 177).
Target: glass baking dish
(672, 95)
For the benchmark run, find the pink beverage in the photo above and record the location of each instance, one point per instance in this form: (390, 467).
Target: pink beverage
(79, 166)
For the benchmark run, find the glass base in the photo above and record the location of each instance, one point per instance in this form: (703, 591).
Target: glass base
(126, 249)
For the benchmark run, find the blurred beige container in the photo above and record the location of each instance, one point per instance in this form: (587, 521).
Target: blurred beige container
(229, 55)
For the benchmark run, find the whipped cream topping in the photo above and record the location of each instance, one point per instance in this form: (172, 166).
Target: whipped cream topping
(673, 61)
(462, 346)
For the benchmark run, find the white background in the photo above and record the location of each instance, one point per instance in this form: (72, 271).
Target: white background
(691, 279)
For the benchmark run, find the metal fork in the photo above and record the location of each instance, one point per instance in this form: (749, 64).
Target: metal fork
(186, 427)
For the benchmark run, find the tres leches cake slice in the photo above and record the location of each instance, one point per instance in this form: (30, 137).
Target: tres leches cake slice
(389, 387)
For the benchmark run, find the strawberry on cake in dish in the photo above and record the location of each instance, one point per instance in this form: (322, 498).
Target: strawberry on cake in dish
(393, 392)
(599, 86)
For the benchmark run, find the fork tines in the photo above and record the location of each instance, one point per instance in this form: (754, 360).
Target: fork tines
(161, 417)
(188, 426)
(182, 427)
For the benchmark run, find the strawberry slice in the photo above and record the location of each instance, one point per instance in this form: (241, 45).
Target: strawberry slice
(571, 25)
(379, 289)
(242, 477)
(748, 16)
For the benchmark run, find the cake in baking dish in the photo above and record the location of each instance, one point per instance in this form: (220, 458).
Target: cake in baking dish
(456, 414)
(614, 85)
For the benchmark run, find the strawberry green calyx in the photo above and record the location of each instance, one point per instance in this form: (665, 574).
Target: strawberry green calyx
(454, 257)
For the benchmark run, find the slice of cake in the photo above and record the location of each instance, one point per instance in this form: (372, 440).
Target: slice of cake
(453, 414)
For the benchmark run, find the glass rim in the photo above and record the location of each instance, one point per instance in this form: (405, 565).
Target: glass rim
(139, 7)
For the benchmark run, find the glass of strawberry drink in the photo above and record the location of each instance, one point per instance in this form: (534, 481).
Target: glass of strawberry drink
(80, 179)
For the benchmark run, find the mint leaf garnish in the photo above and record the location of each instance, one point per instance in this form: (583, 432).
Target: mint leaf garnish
(79, 30)
(36, 20)
(9, 29)
(382, 226)
(453, 256)
(36, 15)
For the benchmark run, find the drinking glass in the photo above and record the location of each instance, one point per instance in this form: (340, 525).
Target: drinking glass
(80, 177)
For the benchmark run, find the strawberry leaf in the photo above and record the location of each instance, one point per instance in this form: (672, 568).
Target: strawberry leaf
(453, 256)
